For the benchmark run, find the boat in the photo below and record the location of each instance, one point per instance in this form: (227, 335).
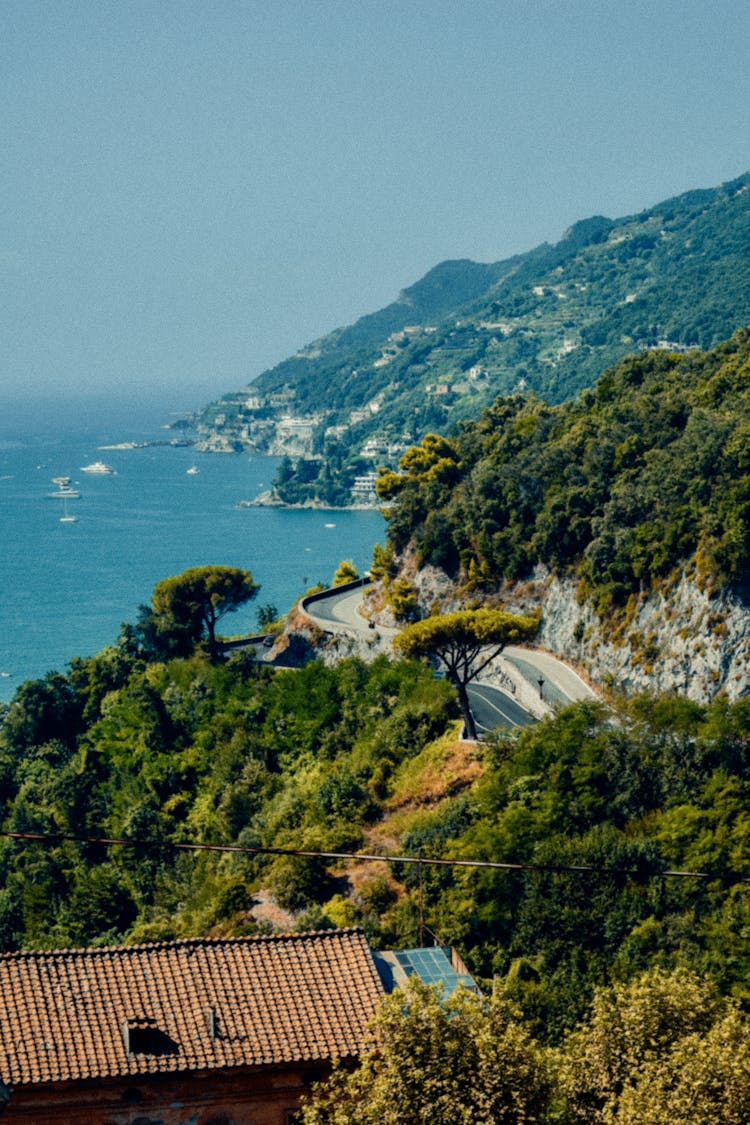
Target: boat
(65, 517)
(98, 467)
(192, 470)
(64, 489)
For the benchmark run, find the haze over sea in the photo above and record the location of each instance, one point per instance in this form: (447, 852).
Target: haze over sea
(67, 587)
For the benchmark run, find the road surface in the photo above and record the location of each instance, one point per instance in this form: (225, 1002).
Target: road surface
(490, 705)
(339, 612)
(493, 708)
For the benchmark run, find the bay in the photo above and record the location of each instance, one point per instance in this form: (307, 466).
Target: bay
(67, 587)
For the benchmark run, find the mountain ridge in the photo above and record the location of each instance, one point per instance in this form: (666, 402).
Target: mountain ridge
(548, 321)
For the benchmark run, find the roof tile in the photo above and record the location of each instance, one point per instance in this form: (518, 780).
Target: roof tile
(283, 998)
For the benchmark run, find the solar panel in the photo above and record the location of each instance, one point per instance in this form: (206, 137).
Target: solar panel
(432, 965)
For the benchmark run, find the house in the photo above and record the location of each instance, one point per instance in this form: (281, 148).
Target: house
(195, 1032)
(206, 1031)
(364, 486)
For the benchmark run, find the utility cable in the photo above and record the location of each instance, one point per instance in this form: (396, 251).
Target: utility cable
(52, 838)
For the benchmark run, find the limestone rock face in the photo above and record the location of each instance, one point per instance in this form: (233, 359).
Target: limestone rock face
(680, 639)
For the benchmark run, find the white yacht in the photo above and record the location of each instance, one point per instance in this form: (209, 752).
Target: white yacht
(98, 467)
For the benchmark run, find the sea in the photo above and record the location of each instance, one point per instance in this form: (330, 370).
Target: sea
(67, 587)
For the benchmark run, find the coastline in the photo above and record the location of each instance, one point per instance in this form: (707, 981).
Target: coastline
(268, 500)
(173, 443)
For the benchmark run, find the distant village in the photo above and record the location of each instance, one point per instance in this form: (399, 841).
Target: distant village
(267, 423)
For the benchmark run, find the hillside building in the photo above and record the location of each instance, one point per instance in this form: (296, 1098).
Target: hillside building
(196, 1032)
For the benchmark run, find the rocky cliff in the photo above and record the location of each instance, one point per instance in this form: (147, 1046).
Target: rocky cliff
(680, 639)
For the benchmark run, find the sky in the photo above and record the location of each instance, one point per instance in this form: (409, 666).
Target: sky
(191, 190)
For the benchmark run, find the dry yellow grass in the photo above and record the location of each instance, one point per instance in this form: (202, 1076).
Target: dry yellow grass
(443, 769)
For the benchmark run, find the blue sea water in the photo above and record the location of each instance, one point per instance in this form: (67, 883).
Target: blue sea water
(67, 587)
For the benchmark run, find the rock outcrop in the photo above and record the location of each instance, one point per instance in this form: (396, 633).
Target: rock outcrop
(680, 639)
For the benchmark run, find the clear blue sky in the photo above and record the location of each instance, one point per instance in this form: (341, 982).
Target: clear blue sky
(189, 191)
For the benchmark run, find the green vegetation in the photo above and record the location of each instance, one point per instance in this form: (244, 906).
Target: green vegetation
(664, 1048)
(365, 757)
(158, 741)
(186, 609)
(156, 753)
(464, 643)
(345, 572)
(647, 472)
(595, 1018)
(326, 479)
(462, 1061)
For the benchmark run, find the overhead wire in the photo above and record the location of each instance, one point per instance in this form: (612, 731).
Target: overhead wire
(642, 874)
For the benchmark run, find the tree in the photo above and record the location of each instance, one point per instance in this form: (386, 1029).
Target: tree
(347, 572)
(635, 1057)
(186, 608)
(265, 615)
(704, 1079)
(463, 1060)
(465, 642)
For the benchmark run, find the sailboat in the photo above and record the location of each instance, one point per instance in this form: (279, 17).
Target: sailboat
(65, 518)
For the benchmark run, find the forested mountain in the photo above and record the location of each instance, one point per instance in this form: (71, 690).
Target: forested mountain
(646, 472)
(675, 276)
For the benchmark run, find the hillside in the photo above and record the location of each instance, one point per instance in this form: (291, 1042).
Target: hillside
(365, 758)
(628, 508)
(607, 504)
(548, 322)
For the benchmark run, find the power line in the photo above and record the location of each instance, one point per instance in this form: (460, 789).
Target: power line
(422, 861)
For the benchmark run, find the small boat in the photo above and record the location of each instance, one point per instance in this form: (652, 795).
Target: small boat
(192, 470)
(99, 467)
(65, 517)
(64, 489)
(329, 525)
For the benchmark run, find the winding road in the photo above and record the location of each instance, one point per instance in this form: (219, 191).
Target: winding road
(536, 679)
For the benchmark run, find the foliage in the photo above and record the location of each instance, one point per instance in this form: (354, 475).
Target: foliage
(266, 615)
(665, 1047)
(403, 599)
(156, 753)
(465, 642)
(645, 473)
(461, 1060)
(594, 805)
(186, 609)
(658, 786)
(345, 572)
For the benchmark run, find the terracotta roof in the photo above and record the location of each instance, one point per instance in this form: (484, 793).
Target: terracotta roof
(184, 1005)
